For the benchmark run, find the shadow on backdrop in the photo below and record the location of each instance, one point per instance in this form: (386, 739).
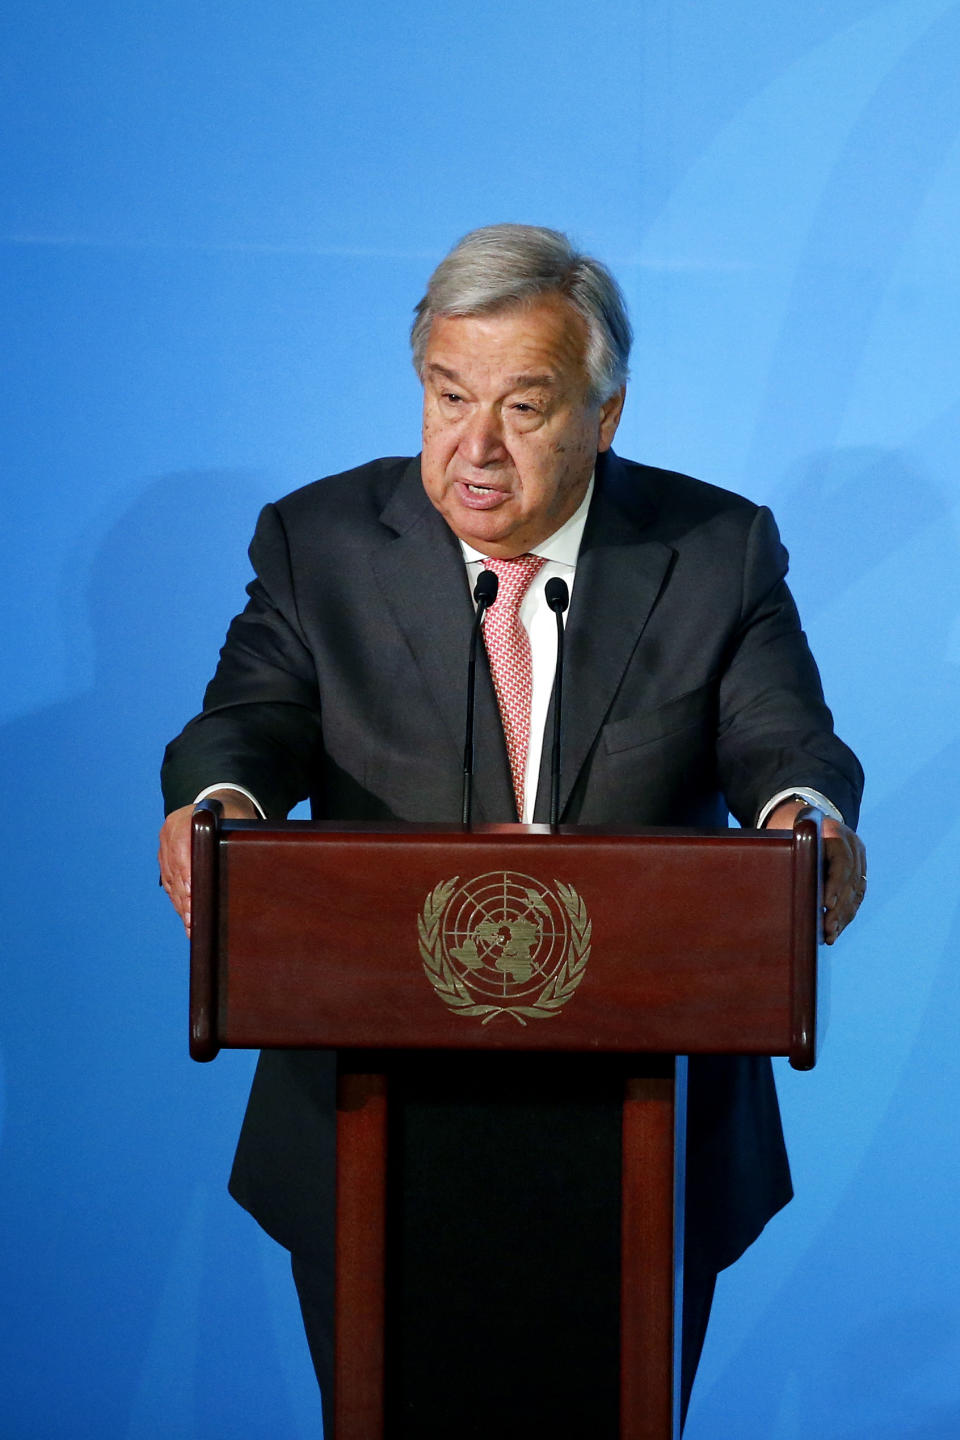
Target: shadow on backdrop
(130, 1274)
(864, 1310)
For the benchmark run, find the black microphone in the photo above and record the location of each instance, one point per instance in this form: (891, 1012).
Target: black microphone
(484, 593)
(558, 598)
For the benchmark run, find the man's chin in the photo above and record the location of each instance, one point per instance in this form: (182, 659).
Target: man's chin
(487, 530)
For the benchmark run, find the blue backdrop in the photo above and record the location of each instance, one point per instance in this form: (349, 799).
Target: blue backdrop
(215, 220)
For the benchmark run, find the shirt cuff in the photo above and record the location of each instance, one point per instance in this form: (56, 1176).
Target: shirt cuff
(812, 797)
(229, 785)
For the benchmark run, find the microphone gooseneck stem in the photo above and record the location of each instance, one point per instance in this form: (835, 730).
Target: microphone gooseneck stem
(557, 702)
(468, 736)
(485, 592)
(558, 598)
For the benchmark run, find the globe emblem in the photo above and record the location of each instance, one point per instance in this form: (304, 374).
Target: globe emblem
(504, 936)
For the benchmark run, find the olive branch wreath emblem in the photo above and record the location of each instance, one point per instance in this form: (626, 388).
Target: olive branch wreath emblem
(456, 994)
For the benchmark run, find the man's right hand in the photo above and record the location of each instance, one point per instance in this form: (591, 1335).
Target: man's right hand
(174, 853)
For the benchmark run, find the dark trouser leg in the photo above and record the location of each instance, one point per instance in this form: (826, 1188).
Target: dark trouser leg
(314, 1282)
(697, 1299)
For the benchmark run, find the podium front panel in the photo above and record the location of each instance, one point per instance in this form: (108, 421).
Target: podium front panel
(504, 938)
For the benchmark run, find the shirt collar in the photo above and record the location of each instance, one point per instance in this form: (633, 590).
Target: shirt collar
(562, 547)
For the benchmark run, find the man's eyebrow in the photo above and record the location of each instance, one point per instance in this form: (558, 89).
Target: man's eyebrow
(515, 382)
(436, 369)
(532, 382)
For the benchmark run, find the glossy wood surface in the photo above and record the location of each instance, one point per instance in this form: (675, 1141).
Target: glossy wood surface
(806, 940)
(700, 941)
(361, 1255)
(649, 1188)
(205, 958)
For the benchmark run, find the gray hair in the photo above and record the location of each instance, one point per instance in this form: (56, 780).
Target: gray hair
(500, 266)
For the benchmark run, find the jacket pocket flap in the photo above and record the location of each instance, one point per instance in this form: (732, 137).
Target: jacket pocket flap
(677, 714)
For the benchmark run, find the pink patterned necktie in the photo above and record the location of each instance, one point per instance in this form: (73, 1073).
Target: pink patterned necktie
(508, 649)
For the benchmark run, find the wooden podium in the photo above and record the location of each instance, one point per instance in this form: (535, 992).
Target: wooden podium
(379, 940)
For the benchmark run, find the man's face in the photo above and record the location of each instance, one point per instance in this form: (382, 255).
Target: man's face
(510, 437)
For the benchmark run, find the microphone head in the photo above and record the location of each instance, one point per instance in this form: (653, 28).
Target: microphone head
(557, 595)
(485, 590)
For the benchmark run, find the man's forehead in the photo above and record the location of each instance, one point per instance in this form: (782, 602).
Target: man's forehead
(537, 343)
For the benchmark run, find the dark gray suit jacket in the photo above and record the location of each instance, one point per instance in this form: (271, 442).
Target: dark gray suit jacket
(690, 692)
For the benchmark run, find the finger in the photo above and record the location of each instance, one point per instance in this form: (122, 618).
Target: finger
(836, 886)
(858, 877)
(840, 862)
(175, 878)
(844, 880)
(174, 858)
(833, 925)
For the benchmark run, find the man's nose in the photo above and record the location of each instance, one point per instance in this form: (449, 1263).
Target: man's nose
(481, 441)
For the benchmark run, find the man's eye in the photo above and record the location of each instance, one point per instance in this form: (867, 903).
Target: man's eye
(522, 408)
(450, 396)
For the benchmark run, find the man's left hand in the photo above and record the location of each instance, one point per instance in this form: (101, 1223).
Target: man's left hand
(844, 868)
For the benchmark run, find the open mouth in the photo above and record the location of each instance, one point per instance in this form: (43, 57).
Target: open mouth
(480, 497)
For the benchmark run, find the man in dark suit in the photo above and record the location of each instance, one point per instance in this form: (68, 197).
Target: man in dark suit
(691, 693)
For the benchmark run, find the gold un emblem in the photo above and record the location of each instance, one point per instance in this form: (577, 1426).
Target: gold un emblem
(504, 944)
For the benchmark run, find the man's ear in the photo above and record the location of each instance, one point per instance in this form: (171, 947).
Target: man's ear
(610, 412)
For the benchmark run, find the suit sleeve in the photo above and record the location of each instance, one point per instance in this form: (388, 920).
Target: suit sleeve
(260, 726)
(775, 731)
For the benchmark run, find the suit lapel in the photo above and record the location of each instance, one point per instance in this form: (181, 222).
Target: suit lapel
(424, 584)
(620, 572)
